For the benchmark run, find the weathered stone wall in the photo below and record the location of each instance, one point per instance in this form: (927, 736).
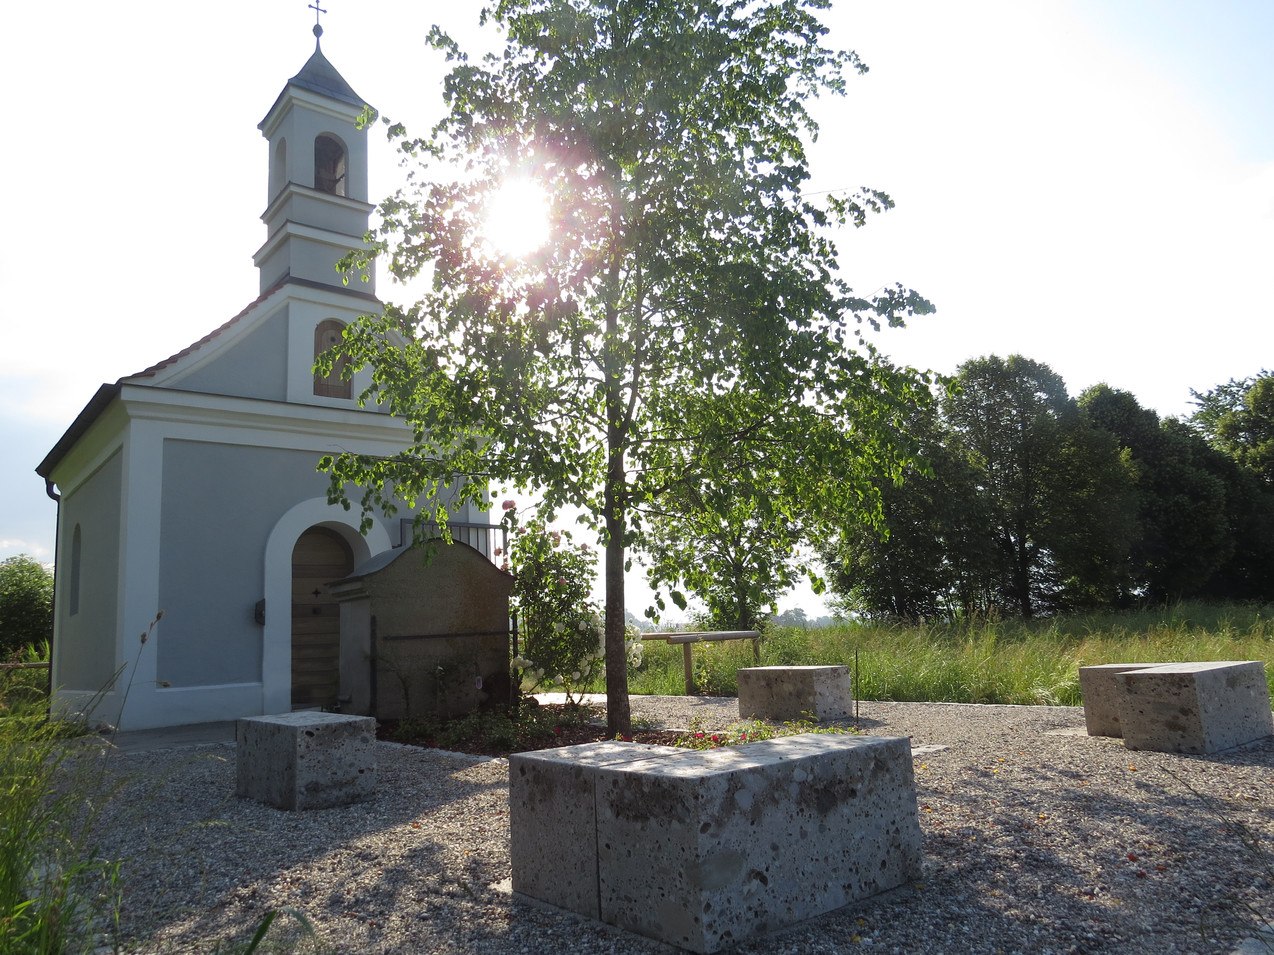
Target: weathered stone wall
(414, 598)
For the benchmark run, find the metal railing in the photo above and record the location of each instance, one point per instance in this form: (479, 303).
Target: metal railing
(486, 539)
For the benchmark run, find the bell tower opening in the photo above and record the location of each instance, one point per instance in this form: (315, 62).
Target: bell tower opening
(329, 165)
(326, 335)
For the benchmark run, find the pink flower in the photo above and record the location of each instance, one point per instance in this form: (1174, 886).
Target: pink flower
(509, 505)
(561, 581)
(499, 551)
(504, 565)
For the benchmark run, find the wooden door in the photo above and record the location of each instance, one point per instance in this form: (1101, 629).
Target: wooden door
(320, 557)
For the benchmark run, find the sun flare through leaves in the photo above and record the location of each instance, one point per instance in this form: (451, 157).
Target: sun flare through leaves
(515, 222)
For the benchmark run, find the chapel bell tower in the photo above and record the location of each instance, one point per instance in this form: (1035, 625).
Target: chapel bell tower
(318, 208)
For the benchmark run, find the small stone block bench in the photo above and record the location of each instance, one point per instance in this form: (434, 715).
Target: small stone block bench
(1102, 690)
(1195, 708)
(705, 848)
(306, 760)
(792, 693)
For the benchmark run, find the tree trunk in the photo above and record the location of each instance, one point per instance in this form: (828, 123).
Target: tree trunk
(618, 713)
(615, 502)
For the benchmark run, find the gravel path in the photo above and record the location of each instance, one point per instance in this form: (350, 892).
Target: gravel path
(1037, 838)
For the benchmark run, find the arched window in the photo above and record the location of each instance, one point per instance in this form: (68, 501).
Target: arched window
(75, 570)
(326, 334)
(329, 165)
(279, 168)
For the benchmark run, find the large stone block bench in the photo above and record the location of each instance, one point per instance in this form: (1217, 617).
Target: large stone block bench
(306, 760)
(1196, 708)
(791, 693)
(702, 849)
(1102, 691)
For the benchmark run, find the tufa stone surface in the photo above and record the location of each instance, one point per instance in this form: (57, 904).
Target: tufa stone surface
(553, 847)
(1101, 690)
(796, 692)
(306, 760)
(1195, 708)
(702, 849)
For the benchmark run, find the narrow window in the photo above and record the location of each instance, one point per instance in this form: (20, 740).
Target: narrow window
(279, 168)
(329, 166)
(327, 334)
(75, 571)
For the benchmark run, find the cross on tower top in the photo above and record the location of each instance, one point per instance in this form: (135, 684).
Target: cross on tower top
(318, 12)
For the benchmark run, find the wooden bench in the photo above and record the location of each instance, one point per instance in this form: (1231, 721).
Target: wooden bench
(688, 639)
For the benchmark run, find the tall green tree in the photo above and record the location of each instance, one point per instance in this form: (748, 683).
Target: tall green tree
(730, 553)
(26, 603)
(1238, 419)
(686, 274)
(1060, 496)
(1248, 572)
(730, 530)
(1183, 538)
(932, 554)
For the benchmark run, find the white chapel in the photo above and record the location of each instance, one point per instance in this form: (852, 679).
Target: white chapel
(191, 486)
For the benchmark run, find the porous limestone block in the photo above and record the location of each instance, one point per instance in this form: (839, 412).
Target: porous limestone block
(712, 847)
(793, 693)
(306, 760)
(1101, 690)
(553, 833)
(1195, 707)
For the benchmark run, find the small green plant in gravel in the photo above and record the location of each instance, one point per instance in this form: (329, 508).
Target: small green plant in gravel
(299, 936)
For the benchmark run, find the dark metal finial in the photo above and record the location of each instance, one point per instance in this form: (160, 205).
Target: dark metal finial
(318, 12)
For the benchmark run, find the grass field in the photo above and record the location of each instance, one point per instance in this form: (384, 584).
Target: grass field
(1035, 662)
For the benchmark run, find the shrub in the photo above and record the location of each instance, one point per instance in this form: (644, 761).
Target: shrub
(26, 604)
(558, 623)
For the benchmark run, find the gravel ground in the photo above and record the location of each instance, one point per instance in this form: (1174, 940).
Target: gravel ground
(1037, 839)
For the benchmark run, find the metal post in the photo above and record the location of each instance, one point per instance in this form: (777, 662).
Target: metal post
(515, 687)
(372, 655)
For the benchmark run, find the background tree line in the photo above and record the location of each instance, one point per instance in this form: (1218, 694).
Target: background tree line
(1027, 501)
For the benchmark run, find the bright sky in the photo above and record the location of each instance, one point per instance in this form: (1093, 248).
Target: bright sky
(1087, 183)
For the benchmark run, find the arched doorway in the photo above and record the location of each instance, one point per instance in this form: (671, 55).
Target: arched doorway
(319, 557)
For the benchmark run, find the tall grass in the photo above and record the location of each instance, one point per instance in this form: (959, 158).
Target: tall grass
(1032, 662)
(56, 895)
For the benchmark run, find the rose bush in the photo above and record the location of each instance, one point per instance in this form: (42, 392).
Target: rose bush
(559, 625)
